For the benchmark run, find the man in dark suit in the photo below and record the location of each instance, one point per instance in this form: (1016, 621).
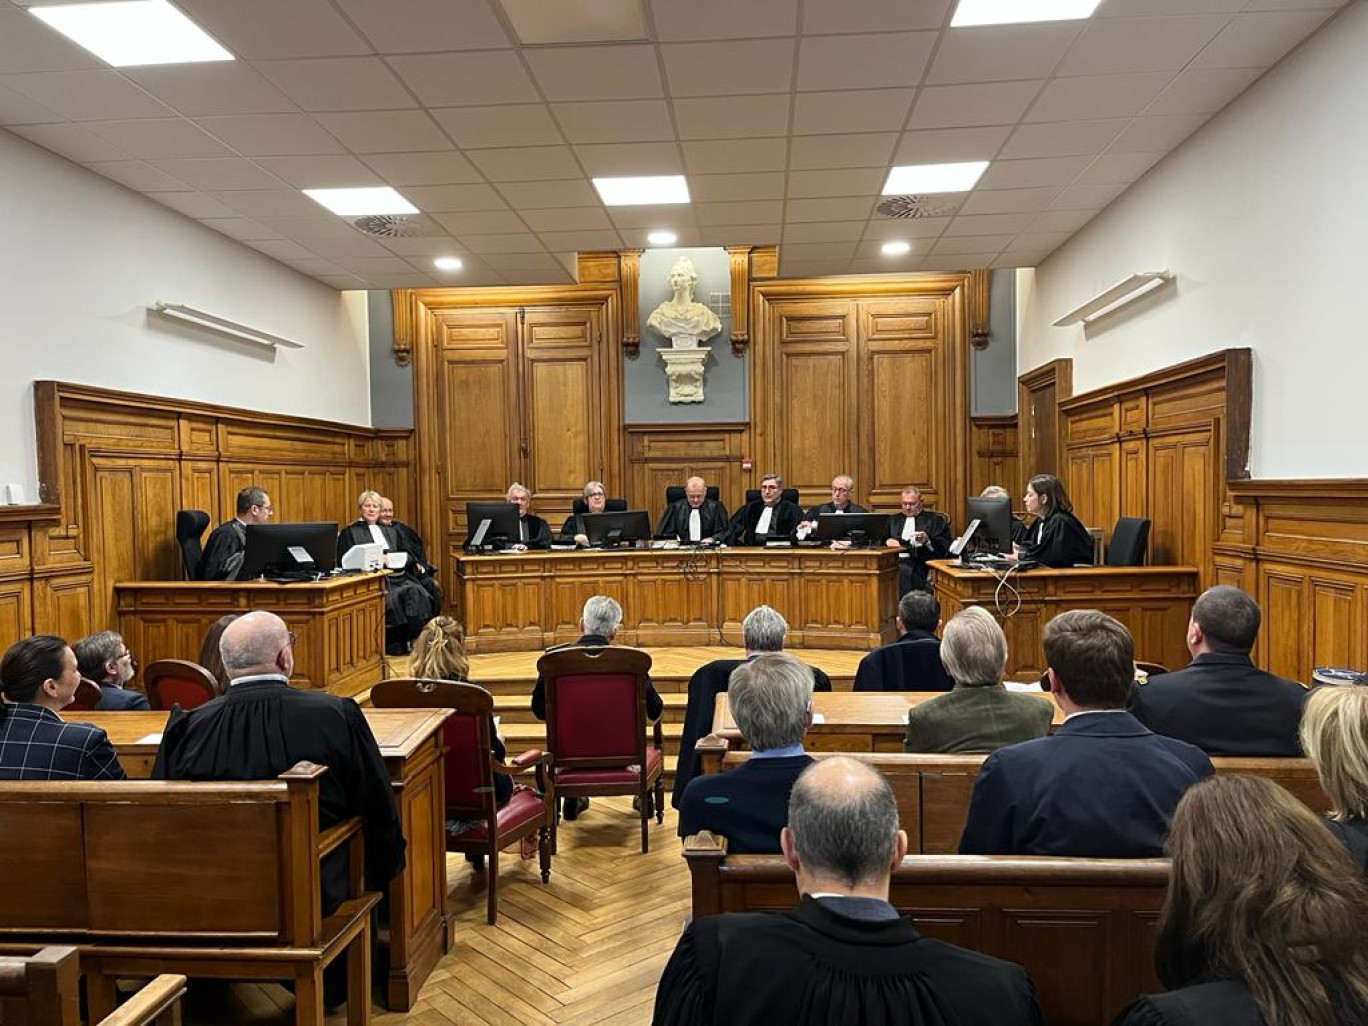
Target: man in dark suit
(770, 516)
(771, 700)
(913, 662)
(842, 486)
(763, 630)
(1102, 786)
(923, 535)
(104, 659)
(694, 518)
(1221, 702)
(533, 531)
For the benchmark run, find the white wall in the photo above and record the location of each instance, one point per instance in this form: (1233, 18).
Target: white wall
(81, 258)
(1263, 216)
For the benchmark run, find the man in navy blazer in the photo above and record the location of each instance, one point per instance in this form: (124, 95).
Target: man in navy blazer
(913, 662)
(1102, 786)
(105, 659)
(1221, 702)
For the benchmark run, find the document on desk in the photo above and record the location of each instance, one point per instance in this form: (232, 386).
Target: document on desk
(150, 739)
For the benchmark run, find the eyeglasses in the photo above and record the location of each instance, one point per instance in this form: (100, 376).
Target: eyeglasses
(290, 640)
(125, 654)
(596, 495)
(840, 490)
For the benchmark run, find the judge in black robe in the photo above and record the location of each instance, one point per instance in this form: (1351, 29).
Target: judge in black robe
(927, 537)
(713, 522)
(223, 552)
(784, 518)
(1058, 540)
(841, 487)
(411, 542)
(408, 604)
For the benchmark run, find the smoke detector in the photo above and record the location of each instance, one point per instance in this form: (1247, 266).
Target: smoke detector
(936, 205)
(397, 226)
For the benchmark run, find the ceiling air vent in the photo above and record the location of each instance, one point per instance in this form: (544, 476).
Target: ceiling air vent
(397, 226)
(918, 206)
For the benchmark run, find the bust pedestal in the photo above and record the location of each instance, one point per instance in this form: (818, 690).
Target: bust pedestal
(684, 369)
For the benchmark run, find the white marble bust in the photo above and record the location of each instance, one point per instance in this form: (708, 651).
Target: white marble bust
(684, 322)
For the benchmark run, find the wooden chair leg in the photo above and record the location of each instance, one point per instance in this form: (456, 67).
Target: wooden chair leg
(308, 988)
(100, 996)
(645, 820)
(544, 842)
(359, 979)
(660, 798)
(492, 885)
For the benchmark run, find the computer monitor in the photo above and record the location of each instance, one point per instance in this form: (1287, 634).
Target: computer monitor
(620, 527)
(995, 527)
(286, 550)
(866, 528)
(502, 528)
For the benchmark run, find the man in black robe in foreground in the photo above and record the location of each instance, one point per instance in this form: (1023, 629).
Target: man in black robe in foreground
(227, 543)
(844, 955)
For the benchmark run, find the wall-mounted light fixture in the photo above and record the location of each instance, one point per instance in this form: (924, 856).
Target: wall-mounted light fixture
(1114, 298)
(223, 326)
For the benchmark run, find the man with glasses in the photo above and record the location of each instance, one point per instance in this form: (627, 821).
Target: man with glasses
(227, 543)
(104, 659)
(842, 487)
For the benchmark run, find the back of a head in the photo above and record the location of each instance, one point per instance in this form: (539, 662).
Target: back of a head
(994, 492)
(601, 616)
(252, 642)
(439, 651)
(1228, 617)
(919, 611)
(1262, 892)
(1093, 655)
(763, 630)
(94, 651)
(28, 663)
(973, 648)
(769, 699)
(844, 821)
(210, 655)
(1334, 736)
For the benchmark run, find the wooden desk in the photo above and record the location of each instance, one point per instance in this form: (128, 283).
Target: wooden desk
(420, 932)
(1153, 601)
(853, 721)
(340, 623)
(528, 601)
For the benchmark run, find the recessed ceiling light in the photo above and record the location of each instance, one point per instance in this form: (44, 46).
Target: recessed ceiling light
(918, 178)
(352, 202)
(448, 263)
(133, 32)
(662, 238)
(896, 248)
(635, 192)
(1011, 12)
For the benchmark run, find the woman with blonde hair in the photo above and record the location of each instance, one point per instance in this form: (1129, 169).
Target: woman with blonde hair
(1334, 736)
(1263, 922)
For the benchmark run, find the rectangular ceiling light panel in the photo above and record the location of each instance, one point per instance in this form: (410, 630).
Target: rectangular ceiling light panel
(636, 192)
(923, 178)
(131, 33)
(355, 202)
(1016, 12)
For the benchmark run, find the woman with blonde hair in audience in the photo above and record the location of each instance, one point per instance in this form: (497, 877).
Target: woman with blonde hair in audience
(1334, 735)
(211, 658)
(1263, 922)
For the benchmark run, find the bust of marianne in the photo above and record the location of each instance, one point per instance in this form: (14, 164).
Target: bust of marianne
(681, 319)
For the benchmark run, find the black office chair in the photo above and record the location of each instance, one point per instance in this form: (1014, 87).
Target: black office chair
(787, 495)
(190, 525)
(609, 506)
(1129, 538)
(674, 493)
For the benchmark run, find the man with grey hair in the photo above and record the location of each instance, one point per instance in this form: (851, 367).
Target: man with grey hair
(763, 630)
(913, 662)
(227, 543)
(922, 534)
(771, 516)
(104, 659)
(771, 700)
(695, 518)
(1222, 702)
(842, 488)
(844, 954)
(533, 531)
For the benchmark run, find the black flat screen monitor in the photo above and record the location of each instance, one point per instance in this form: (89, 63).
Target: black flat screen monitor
(621, 527)
(840, 527)
(502, 529)
(272, 549)
(995, 527)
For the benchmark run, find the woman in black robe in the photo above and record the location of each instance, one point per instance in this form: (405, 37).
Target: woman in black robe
(408, 605)
(1057, 538)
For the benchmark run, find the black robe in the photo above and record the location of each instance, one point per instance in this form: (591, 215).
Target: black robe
(538, 533)
(408, 603)
(223, 552)
(814, 966)
(261, 728)
(713, 521)
(783, 522)
(830, 507)
(418, 567)
(912, 572)
(1058, 540)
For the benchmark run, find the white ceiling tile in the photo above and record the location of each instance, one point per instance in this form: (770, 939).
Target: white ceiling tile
(216, 173)
(838, 16)
(283, 249)
(519, 242)
(73, 142)
(1203, 90)
(88, 95)
(432, 246)
(864, 181)
(717, 69)
(339, 83)
(351, 244)
(741, 235)
(1009, 201)
(740, 155)
(1087, 197)
(395, 131)
(954, 245)
(423, 168)
(566, 192)
(1062, 138)
(557, 276)
(1259, 40)
(509, 125)
(998, 53)
(883, 265)
(638, 238)
(617, 159)
(723, 19)
(542, 22)
(987, 224)
(322, 172)
(1027, 174)
(848, 208)
(1038, 241)
(863, 110)
(523, 262)
(259, 29)
(596, 72)
(950, 145)
(481, 222)
(17, 109)
(27, 44)
(1294, 5)
(137, 175)
(267, 204)
(476, 196)
(567, 219)
(1118, 168)
(1097, 96)
(467, 79)
(673, 216)
(162, 138)
(192, 204)
(863, 62)
(1118, 45)
(615, 121)
(1149, 8)
(1062, 220)
(527, 164)
(803, 251)
(882, 228)
(242, 228)
(872, 250)
(319, 226)
(1161, 132)
(732, 117)
(313, 266)
(958, 261)
(220, 87)
(819, 152)
(427, 25)
(743, 212)
(342, 282)
(989, 103)
(722, 188)
(271, 135)
(824, 231)
(375, 265)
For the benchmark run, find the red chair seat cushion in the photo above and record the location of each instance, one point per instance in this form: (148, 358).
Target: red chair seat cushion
(525, 805)
(610, 775)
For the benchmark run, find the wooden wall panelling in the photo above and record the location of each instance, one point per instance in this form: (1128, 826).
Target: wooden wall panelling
(1039, 393)
(660, 455)
(996, 459)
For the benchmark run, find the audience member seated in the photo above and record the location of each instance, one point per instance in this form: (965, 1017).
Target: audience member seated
(106, 660)
(38, 677)
(1057, 538)
(771, 700)
(411, 543)
(1020, 532)
(210, 657)
(913, 662)
(694, 518)
(1263, 922)
(1221, 702)
(922, 534)
(1101, 786)
(980, 714)
(598, 624)
(842, 485)
(227, 543)
(769, 517)
(763, 630)
(596, 499)
(408, 604)
(533, 531)
(844, 955)
(1334, 734)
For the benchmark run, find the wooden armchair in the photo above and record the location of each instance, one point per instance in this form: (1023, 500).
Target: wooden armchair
(178, 682)
(42, 990)
(596, 727)
(87, 697)
(470, 769)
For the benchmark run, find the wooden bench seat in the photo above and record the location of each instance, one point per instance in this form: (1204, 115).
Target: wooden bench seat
(42, 989)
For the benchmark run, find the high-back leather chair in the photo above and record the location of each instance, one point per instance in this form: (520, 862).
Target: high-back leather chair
(190, 525)
(470, 767)
(178, 682)
(675, 493)
(596, 727)
(1128, 542)
(787, 495)
(609, 506)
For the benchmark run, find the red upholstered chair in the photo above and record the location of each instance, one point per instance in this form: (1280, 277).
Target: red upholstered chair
(87, 697)
(596, 727)
(469, 771)
(178, 682)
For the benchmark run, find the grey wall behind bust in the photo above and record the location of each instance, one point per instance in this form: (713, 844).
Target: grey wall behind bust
(391, 386)
(645, 388)
(993, 370)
